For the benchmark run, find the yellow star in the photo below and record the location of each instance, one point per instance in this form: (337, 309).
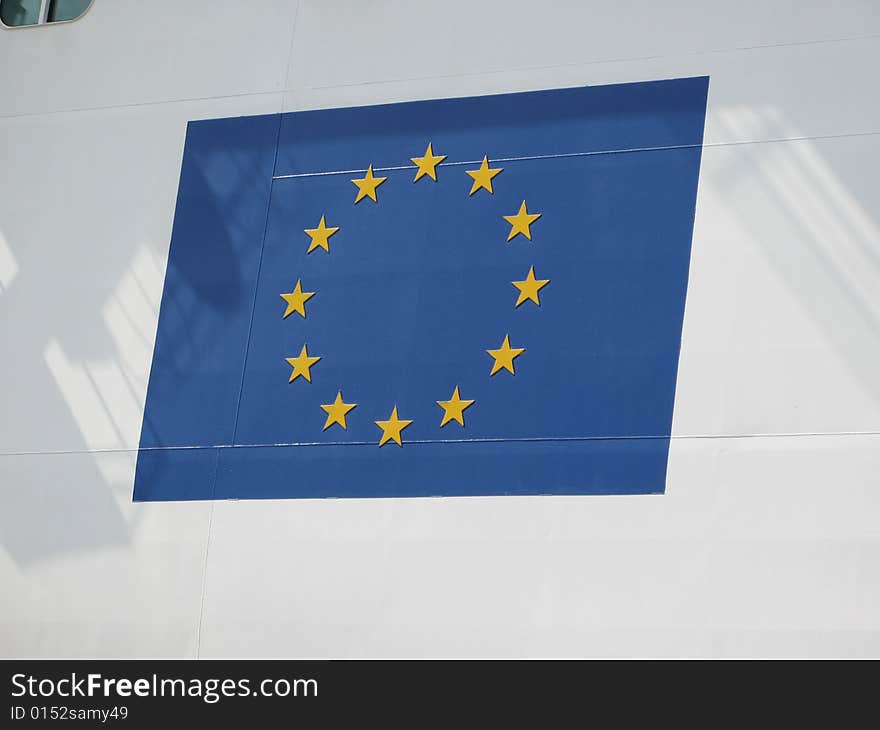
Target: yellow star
(483, 176)
(520, 222)
(428, 164)
(320, 236)
(454, 408)
(391, 428)
(296, 300)
(529, 288)
(336, 411)
(367, 186)
(301, 365)
(504, 356)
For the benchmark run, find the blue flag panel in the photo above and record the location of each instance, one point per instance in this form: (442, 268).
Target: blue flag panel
(478, 296)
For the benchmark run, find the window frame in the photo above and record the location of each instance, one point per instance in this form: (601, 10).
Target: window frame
(42, 18)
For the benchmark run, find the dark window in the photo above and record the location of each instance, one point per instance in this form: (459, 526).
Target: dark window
(20, 12)
(36, 12)
(66, 9)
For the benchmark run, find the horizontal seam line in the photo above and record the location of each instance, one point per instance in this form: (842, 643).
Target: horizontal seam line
(549, 439)
(622, 150)
(286, 90)
(599, 61)
(138, 104)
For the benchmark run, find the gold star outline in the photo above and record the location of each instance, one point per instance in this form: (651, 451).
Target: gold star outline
(483, 177)
(521, 222)
(296, 300)
(367, 186)
(528, 289)
(337, 411)
(454, 408)
(391, 428)
(504, 356)
(320, 236)
(302, 365)
(427, 164)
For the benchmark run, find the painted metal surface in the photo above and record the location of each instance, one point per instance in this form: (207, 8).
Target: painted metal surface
(414, 293)
(766, 540)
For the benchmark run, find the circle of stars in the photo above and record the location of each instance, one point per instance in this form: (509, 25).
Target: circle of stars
(503, 357)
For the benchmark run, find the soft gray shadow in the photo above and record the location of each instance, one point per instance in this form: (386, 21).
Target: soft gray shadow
(78, 321)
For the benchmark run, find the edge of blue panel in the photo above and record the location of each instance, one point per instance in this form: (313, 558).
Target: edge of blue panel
(220, 216)
(207, 302)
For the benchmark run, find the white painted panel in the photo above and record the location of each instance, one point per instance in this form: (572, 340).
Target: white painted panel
(87, 573)
(762, 546)
(86, 207)
(135, 52)
(782, 323)
(754, 94)
(768, 540)
(349, 42)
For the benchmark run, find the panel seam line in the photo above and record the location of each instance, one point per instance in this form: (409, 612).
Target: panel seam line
(589, 153)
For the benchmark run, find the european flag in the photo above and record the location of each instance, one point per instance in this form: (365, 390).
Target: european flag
(477, 296)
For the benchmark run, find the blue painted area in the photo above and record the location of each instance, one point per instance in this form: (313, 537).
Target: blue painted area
(207, 301)
(416, 288)
(614, 117)
(601, 466)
